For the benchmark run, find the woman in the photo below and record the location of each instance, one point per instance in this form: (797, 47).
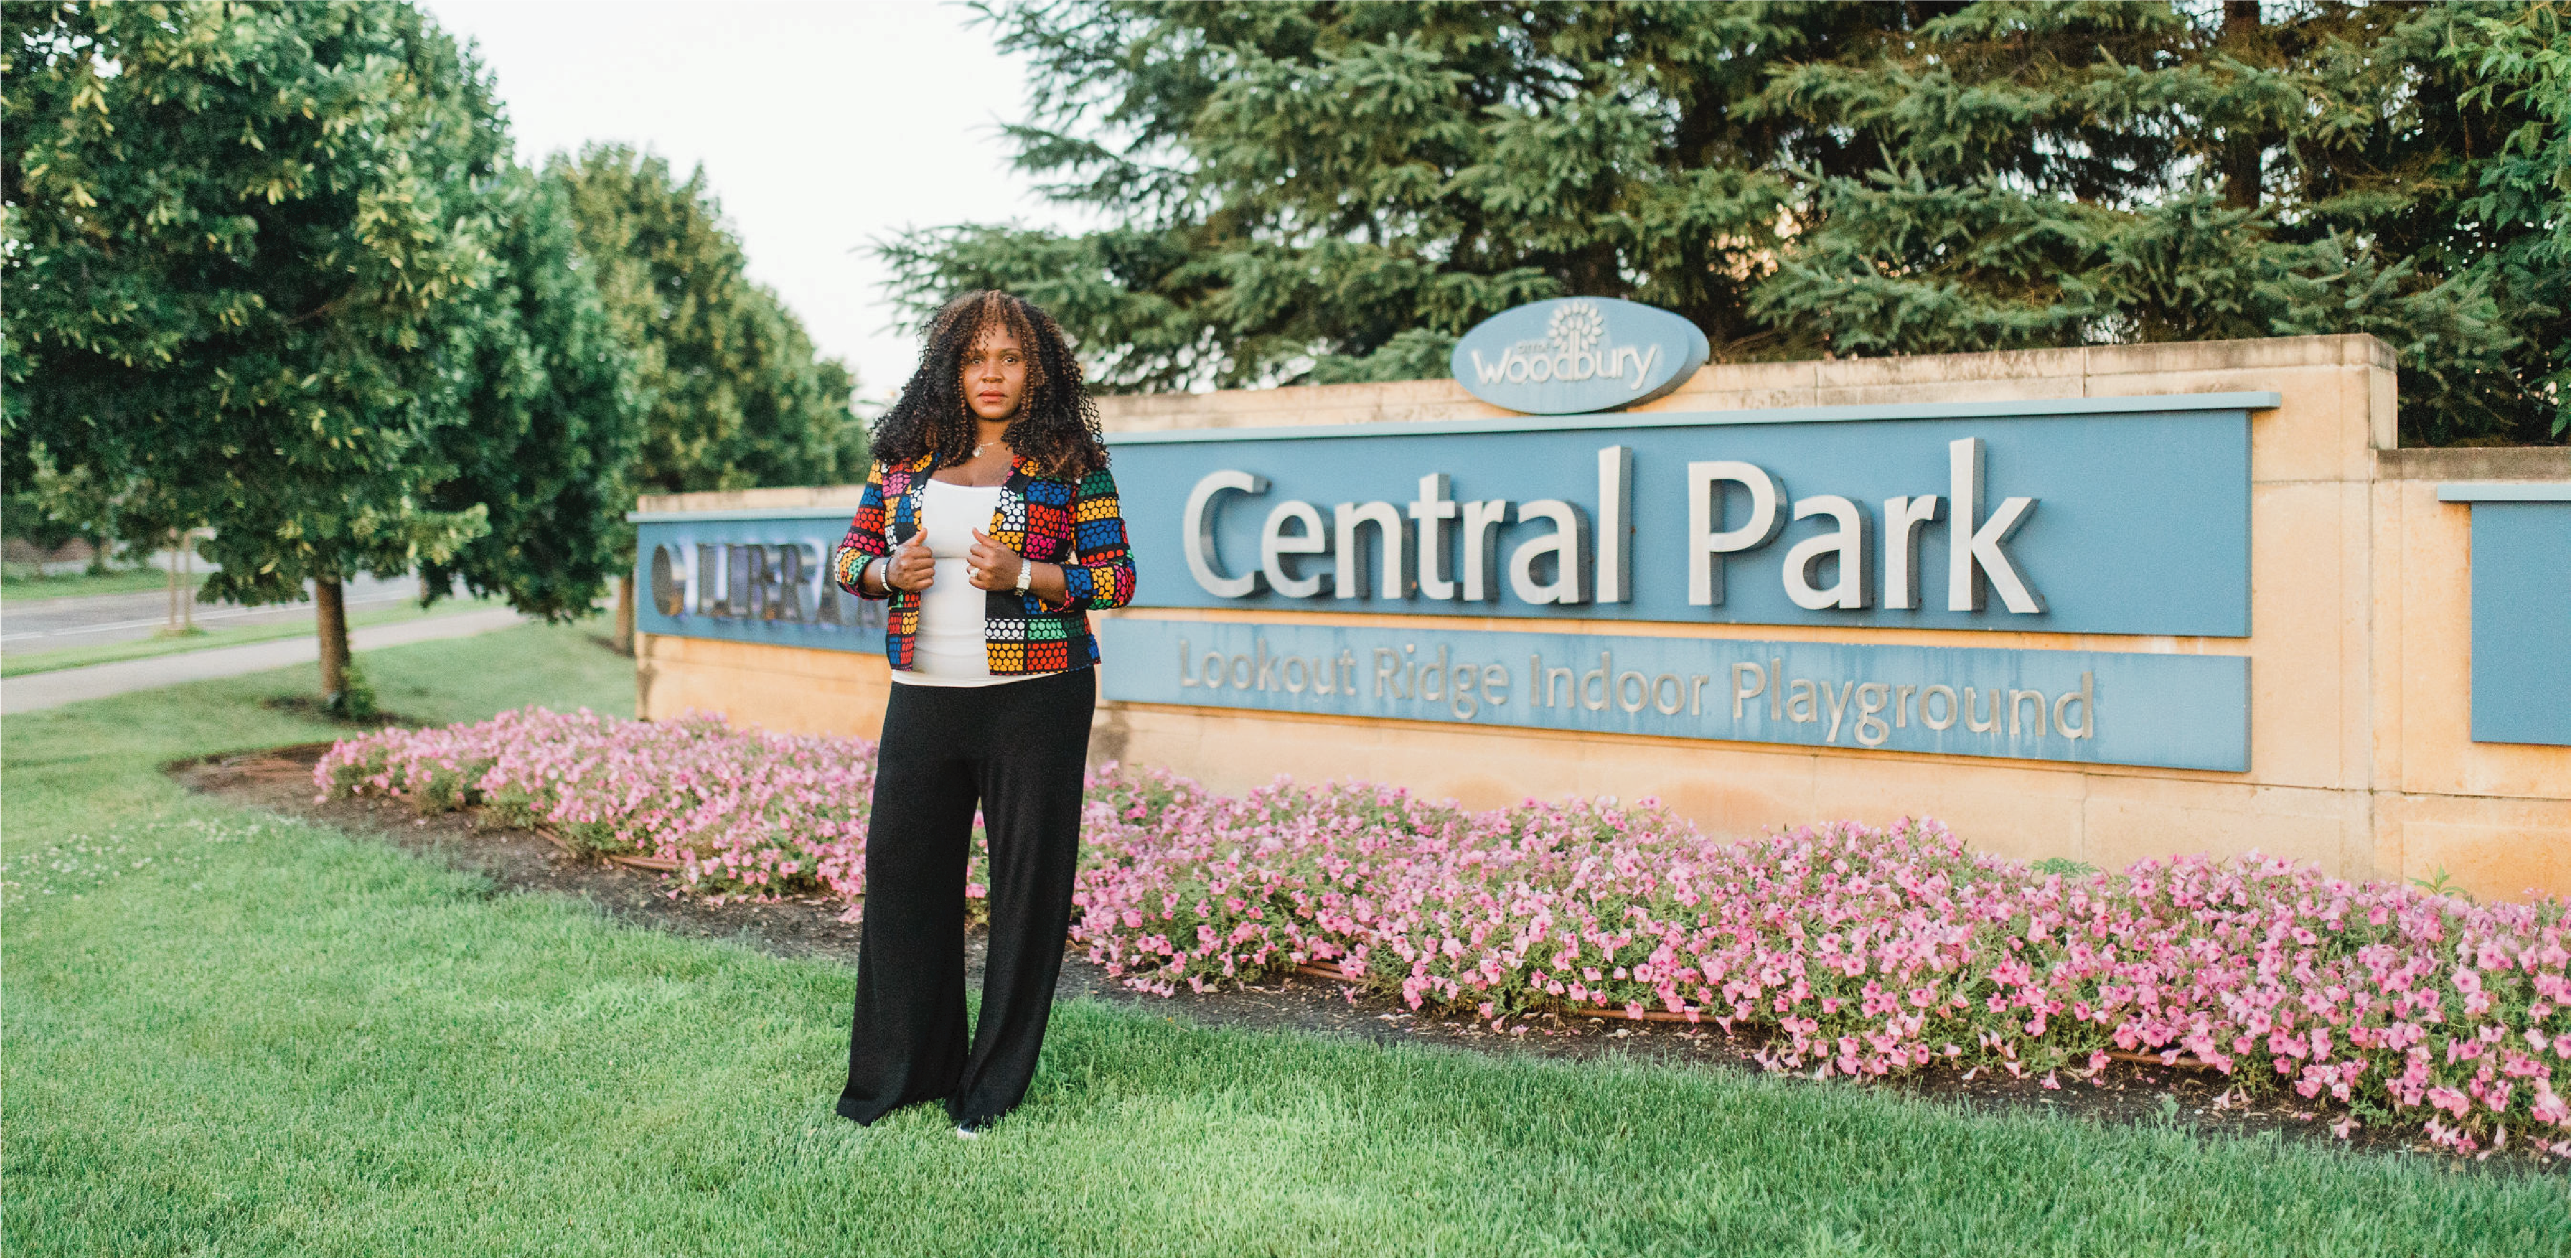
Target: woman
(990, 470)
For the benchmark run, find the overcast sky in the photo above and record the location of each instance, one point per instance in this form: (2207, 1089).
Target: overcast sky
(821, 126)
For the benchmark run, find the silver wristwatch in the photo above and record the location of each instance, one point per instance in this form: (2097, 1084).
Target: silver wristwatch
(1022, 585)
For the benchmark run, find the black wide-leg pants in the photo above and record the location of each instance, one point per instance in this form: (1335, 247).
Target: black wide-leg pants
(1017, 748)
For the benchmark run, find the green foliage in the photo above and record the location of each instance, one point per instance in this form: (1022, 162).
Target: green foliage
(1328, 192)
(355, 700)
(553, 418)
(239, 237)
(736, 396)
(29, 514)
(272, 270)
(2083, 174)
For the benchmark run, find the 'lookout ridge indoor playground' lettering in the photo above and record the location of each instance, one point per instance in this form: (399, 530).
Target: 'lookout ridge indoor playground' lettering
(1461, 689)
(2184, 711)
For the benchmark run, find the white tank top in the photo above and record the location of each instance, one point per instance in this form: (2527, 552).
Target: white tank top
(949, 650)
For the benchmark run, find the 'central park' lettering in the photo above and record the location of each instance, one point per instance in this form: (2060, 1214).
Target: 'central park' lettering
(1444, 548)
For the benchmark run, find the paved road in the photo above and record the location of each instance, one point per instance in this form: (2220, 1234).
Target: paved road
(37, 691)
(53, 623)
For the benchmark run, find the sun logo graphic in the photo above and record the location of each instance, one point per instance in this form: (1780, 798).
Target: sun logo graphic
(1572, 352)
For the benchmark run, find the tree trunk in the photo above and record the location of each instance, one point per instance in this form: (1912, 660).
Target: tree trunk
(331, 622)
(625, 631)
(2241, 29)
(173, 625)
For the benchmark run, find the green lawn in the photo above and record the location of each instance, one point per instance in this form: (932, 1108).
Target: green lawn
(233, 1033)
(23, 583)
(21, 662)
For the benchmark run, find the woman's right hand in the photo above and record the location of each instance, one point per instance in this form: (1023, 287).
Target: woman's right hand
(911, 566)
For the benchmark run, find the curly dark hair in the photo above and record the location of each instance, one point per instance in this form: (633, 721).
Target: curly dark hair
(1057, 426)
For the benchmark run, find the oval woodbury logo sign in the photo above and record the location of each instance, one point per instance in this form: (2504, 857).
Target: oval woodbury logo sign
(1576, 355)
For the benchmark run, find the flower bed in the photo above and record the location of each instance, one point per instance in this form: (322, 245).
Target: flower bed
(744, 813)
(1854, 950)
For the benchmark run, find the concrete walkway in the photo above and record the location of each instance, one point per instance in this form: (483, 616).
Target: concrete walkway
(37, 691)
(44, 624)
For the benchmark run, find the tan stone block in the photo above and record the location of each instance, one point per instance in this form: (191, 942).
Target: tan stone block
(1986, 368)
(2387, 640)
(2492, 849)
(2299, 608)
(2387, 836)
(1794, 379)
(2433, 682)
(2317, 433)
(2423, 617)
(2383, 406)
(2433, 640)
(2015, 389)
(1397, 402)
(845, 497)
(2168, 357)
(2008, 809)
(1748, 400)
(2356, 613)
(1728, 790)
(771, 687)
(2130, 819)
(2512, 463)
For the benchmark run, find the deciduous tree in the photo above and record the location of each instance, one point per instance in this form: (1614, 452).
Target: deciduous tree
(736, 396)
(259, 273)
(553, 417)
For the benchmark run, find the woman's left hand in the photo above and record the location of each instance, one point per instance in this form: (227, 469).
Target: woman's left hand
(991, 565)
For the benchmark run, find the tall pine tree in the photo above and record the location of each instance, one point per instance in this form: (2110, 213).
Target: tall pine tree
(2064, 174)
(1327, 192)
(1330, 191)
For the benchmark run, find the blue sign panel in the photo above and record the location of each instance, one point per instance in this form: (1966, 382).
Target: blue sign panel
(750, 576)
(2518, 616)
(2086, 707)
(2123, 516)
(1576, 355)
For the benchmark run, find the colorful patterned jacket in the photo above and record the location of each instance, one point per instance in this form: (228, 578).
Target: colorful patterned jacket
(1045, 518)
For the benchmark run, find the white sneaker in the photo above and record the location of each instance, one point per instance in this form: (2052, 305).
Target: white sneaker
(969, 1133)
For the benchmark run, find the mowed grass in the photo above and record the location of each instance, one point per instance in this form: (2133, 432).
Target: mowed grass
(229, 1032)
(25, 583)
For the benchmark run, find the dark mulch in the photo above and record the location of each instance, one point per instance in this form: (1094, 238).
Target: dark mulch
(282, 781)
